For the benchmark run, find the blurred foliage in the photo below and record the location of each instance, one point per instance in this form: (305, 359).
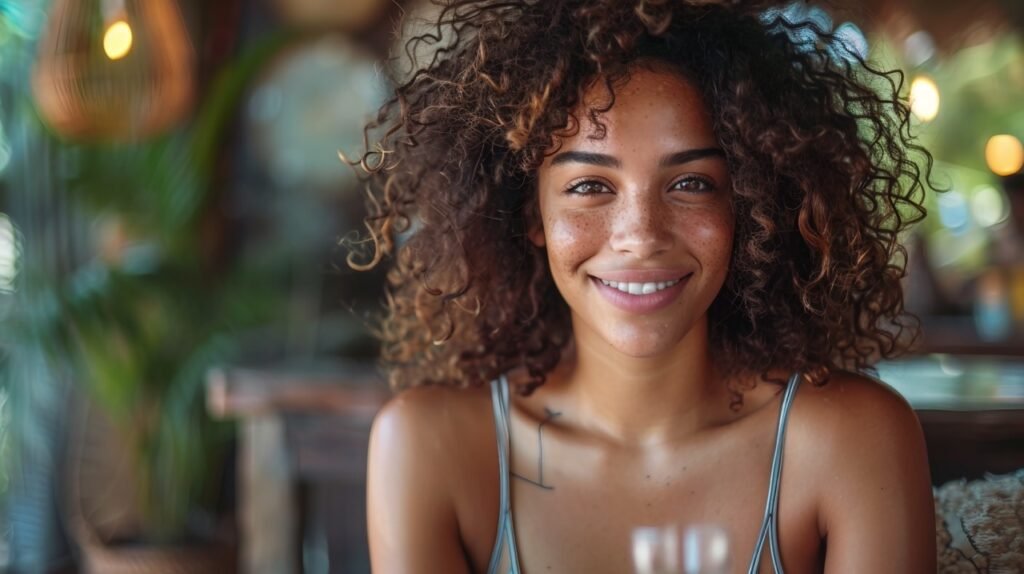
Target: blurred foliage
(981, 88)
(160, 303)
(145, 327)
(5, 435)
(143, 343)
(20, 18)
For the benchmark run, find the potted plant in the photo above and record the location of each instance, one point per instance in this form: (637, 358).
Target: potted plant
(162, 301)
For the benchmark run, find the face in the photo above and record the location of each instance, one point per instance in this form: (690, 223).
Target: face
(638, 225)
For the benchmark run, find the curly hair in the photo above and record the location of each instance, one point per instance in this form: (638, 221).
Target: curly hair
(825, 172)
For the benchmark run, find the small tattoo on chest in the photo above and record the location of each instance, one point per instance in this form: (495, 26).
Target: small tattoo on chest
(549, 415)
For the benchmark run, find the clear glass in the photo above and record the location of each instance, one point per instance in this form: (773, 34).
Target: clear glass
(697, 549)
(705, 550)
(656, 550)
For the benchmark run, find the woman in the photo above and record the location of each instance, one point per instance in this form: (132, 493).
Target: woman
(637, 244)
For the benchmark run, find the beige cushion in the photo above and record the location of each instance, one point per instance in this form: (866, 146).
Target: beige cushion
(980, 525)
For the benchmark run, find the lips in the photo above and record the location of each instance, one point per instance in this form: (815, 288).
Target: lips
(662, 289)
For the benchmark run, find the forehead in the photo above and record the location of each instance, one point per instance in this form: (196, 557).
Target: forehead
(652, 108)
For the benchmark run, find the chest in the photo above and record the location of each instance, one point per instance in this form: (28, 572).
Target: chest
(575, 507)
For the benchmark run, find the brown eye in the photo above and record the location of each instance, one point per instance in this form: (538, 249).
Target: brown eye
(694, 184)
(588, 188)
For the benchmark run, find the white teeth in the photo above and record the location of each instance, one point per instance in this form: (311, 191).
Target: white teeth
(639, 288)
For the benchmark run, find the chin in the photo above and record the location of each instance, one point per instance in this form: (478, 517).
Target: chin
(644, 345)
(639, 337)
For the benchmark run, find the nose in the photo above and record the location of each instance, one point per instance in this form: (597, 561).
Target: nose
(642, 224)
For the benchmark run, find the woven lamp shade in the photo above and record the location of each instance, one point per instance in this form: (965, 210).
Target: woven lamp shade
(84, 93)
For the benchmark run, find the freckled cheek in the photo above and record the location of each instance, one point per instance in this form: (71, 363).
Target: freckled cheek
(712, 238)
(573, 238)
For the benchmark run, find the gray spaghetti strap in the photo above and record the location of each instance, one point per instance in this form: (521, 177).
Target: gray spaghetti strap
(770, 524)
(506, 537)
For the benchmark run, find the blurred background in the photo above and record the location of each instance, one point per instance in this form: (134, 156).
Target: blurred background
(186, 367)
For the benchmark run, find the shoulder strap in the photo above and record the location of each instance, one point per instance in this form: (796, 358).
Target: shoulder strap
(505, 537)
(770, 523)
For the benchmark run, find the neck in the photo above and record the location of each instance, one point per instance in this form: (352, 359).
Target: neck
(646, 400)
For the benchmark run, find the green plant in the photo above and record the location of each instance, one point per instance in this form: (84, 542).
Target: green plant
(142, 324)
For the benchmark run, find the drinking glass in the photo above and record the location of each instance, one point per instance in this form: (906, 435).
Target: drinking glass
(697, 549)
(656, 550)
(705, 549)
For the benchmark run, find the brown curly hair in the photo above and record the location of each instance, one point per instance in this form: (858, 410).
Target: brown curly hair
(825, 174)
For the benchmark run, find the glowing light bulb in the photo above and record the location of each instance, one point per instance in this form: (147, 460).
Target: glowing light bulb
(117, 41)
(924, 98)
(1004, 154)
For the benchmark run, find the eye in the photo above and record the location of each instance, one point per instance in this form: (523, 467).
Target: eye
(587, 187)
(694, 184)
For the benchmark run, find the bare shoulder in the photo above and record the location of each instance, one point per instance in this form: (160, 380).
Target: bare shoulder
(431, 411)
(419, 447)
(861, 450)
(854, 423)
(426, 428)
(852, 408)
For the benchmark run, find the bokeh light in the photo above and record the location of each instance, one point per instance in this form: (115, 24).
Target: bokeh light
(9, 254)
(988, 206)
(924, 98)
(953, 211)
(918, 48)
(117, 41)
(1004, 154)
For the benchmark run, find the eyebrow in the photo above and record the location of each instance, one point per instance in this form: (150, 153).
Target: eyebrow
(690, 155)
(604, 160)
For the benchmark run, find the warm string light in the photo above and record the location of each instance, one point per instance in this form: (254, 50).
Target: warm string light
(924, 98)
(1004, 154)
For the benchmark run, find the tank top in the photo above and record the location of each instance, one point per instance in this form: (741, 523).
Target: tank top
(505, 555)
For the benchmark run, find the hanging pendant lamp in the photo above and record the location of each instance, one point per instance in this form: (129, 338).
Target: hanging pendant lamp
(114, 69)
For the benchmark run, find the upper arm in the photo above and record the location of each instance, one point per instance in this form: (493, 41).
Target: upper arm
(411, 518)
(877, 505)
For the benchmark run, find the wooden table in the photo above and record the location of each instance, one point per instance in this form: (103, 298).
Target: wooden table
(299, 427)
(971, 408)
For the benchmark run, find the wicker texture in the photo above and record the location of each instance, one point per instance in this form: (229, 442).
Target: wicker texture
(84, 94)
(980, 525)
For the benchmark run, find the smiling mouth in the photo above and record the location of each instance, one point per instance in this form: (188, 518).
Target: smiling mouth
(641, 288)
